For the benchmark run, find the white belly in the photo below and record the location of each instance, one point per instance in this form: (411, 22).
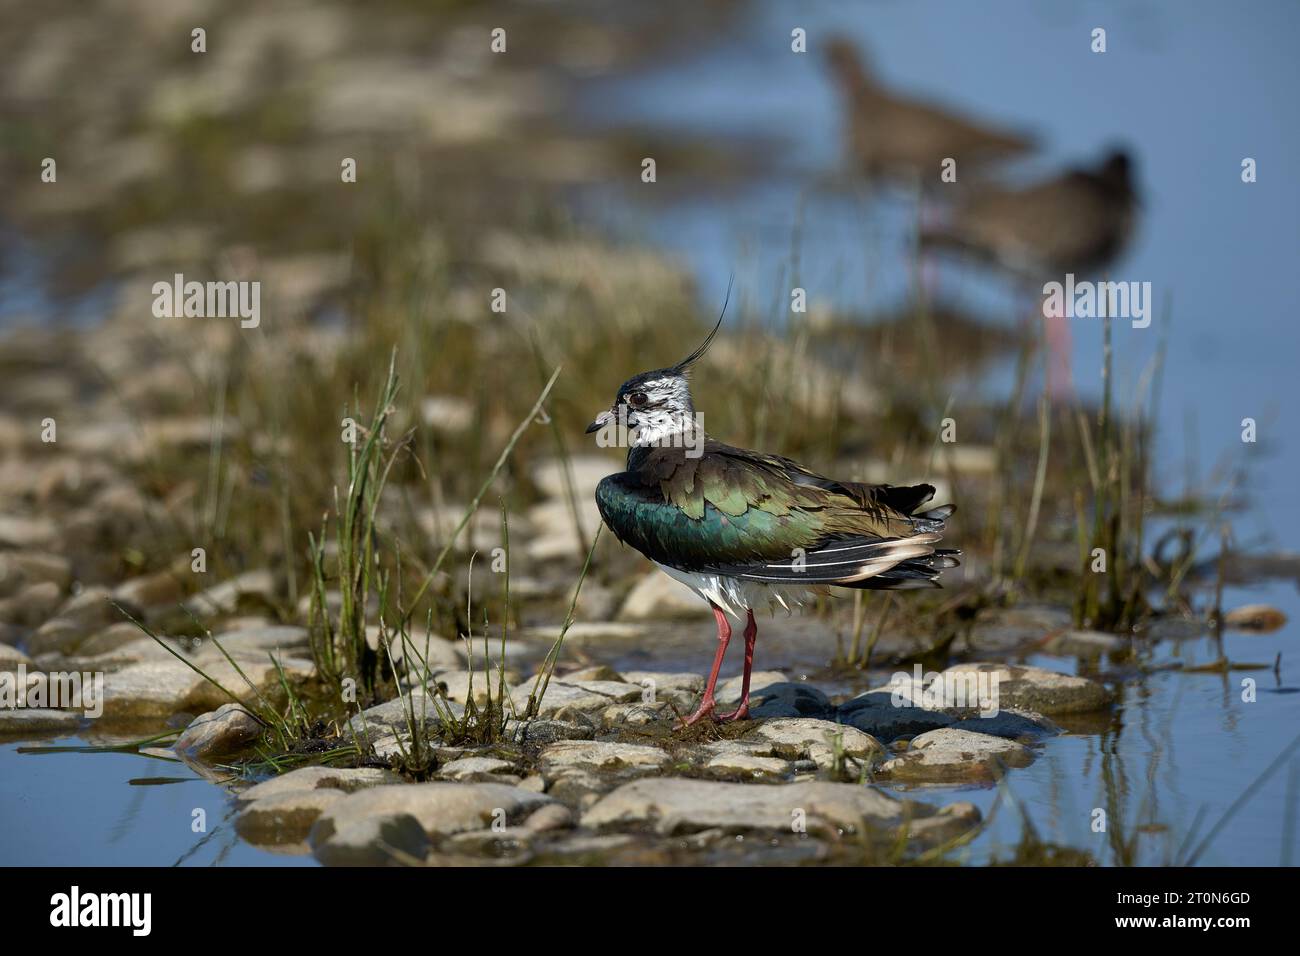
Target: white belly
(736, 596)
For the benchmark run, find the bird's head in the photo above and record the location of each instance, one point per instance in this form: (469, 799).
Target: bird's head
(848, 64)
(655, 407)
(651, 406)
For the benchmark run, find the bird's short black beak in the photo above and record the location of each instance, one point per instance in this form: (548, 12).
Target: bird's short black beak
(603, 419)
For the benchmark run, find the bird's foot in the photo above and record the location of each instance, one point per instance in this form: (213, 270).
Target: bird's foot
(740, 713)
(706, 709)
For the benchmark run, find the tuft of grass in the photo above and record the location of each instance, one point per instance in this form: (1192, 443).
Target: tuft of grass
(341, 652)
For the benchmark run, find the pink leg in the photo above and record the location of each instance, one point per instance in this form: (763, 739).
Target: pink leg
(1059, 384)
(751, 635)
(707, 703)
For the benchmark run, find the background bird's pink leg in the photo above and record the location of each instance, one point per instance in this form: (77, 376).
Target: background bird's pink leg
(751, 635)
(707, 703)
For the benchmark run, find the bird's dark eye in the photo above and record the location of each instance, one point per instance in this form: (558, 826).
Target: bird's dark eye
(637, 399)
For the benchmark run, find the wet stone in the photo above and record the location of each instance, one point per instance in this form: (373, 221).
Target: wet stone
(1039, 690)
(635, 715)
(285, 818)
(345, 779)
(682, 690)
(226, 730)
(1084, 644)
(798, 737)
(949, 754)
(386, 839)
(885, 715)
(256, 587)
(672, 806)
(562, 698)
(735, 761)
(772, 695)
(442, 809)
(542, 731)
(258, 640)
(457, 685)
(1011, 724)
(15, 722)
(396, 714)
(553, 816)
(1262, 618)
(467, 768)
(32, 603)
(11, 657)
(600, 755)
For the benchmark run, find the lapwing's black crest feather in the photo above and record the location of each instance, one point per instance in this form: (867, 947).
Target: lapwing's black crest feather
(684, 366)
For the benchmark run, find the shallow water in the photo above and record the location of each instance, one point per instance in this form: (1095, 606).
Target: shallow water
(103, 809)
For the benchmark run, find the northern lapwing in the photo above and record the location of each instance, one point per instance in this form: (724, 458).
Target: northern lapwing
(746, 530)
(892, 136)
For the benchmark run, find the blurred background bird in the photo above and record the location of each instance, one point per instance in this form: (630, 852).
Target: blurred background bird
(1077, 222)
(896, 137)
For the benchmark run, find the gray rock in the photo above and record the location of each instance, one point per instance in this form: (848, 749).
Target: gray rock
(562, 698)
(772, 694)
(1039, 690)
(397, 714)
(259, 640)
(111, 638)
(15, 722)
(794, 738)
(1084, 643)
(11, 657)
(634, 715)
(385, 839)
(885, 716)
(543, 731)
(226, 730)
(553, 816)
(162, 588)
(92, 608)
(19, 533)
(678, 806)
(285, 818)
(949, 754)
(1261, 618)
(682, 690)
(225, 597)
(18, 568)
(32, 604)
(345, 779)
(600, 755)
(658, 597)
(470, 767)
(163, 687)
(442, 809)
(1012, 724)
(456, 685)
(736, 761)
